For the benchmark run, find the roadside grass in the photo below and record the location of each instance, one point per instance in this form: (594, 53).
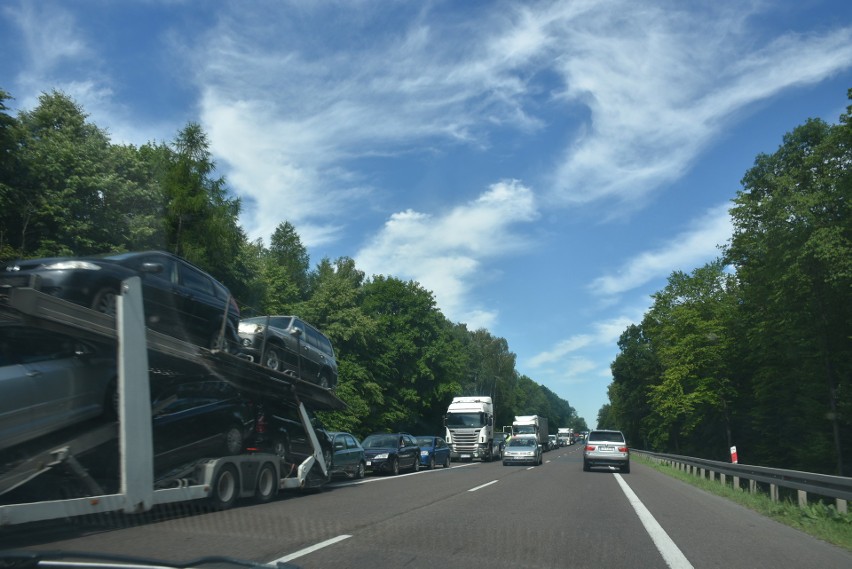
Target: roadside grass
(818, 519)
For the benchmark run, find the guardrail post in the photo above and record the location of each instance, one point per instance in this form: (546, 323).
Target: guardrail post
(736, 482)
(840, 504)
(752, 486)
(803, 498)
(773, 492)
(722, 478)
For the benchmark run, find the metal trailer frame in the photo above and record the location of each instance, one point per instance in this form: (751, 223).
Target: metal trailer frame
(221, 480)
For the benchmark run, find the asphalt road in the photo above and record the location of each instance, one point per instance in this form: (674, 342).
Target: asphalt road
(471, 515)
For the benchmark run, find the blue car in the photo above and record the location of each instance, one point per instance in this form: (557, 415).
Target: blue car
(433, 450)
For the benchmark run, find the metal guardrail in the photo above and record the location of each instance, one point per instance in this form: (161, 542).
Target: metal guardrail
(837, 487)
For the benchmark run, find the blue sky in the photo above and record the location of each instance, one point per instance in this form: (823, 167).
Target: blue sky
(542, 167)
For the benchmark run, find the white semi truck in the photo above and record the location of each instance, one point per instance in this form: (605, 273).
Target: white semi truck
(220, 480)
(532, 425)
(565, 436)
(469, 426)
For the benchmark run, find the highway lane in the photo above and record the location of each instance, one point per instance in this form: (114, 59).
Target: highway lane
(471, 515)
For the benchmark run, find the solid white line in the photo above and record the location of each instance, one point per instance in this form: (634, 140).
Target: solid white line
(483, 486)
(672, 555)
(310, 549)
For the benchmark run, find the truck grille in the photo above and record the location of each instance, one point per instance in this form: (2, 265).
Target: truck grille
(464, 441)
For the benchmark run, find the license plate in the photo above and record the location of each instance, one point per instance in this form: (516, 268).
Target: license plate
(465, 456)
(369, 463)
(606, 448)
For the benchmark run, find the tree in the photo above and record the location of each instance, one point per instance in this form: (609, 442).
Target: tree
(201, 219)
(66, 197)
(792, 249)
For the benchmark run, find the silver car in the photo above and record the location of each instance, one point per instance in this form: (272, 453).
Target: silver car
(49, 381)
(606, 448)
(522, 449)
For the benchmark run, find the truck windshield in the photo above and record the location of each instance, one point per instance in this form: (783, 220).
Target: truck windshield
(465, 420)
(525, 430)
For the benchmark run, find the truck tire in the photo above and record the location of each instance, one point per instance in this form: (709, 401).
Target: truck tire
(267, 483)
(224, 488)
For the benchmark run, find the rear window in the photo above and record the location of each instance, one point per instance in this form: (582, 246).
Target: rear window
(606, 436)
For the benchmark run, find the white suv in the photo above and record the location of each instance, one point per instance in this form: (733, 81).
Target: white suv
(606, 448)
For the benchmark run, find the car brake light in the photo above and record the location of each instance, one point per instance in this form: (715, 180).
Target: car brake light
(622, 449)
(590, 447)
(260, 424)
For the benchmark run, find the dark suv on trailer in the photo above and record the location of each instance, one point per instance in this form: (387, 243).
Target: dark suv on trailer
(180, 299)
(289, 343)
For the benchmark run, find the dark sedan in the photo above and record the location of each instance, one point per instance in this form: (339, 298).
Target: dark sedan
(180, 299)
(200, 419)
(391, 452)
(433, 450)
(347, 456)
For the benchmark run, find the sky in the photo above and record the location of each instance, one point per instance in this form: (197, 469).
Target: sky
(541, 167)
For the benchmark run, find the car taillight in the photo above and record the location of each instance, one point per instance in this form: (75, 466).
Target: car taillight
(590, 447)
(260, 424)
(622, 449)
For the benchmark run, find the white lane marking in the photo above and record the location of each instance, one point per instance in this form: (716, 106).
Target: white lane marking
(482, 486)
(310, 549)
(672, 555)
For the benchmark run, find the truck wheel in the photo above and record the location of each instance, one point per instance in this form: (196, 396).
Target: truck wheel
(224, 488)
(267, 483)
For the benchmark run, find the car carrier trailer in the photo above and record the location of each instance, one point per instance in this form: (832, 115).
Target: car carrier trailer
(219, 480)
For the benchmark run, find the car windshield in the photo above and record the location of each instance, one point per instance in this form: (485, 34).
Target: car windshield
(627, 220)
(381, 441)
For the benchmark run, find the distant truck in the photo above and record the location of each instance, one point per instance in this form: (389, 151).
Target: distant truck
(565, 435)
(469, 424)
(532, 425)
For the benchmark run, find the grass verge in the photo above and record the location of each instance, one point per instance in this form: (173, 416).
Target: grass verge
(817, 519)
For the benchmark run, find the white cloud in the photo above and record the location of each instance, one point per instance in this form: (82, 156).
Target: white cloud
(447, 253)
(661, 82)
(684, 252)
